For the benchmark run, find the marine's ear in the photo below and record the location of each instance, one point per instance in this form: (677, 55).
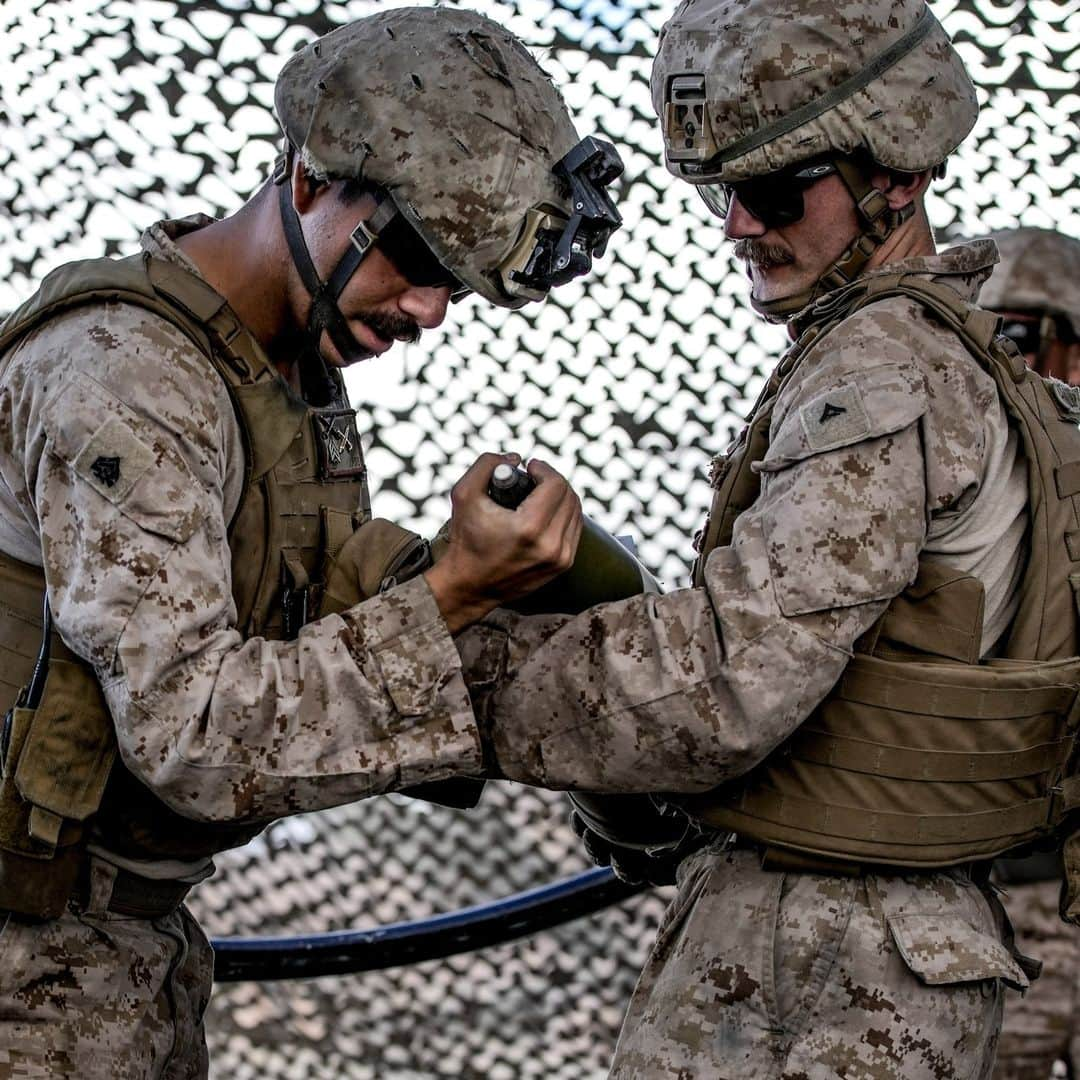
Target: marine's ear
(901, 189)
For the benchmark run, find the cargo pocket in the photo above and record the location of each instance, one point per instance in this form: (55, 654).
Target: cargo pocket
(944, 949)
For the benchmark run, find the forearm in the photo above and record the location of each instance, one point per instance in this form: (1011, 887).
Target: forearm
(685, 691)
(358, 705)
(657, 693)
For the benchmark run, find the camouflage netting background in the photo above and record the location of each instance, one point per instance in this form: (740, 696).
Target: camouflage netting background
(117, 112)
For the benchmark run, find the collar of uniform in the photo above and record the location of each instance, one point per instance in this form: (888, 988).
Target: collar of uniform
(964, 268)
(160, 239)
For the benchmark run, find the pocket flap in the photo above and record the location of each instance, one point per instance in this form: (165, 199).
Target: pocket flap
(874, 403)
(125, 460)
(942, 949)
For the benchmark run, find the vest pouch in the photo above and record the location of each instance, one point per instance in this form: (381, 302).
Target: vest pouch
(69, 750)
(17, 835)
(57, 761)
(940, 615)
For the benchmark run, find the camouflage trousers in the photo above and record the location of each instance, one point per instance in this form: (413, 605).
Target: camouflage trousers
(1043, 1025)
(98, 996)
(759, 974)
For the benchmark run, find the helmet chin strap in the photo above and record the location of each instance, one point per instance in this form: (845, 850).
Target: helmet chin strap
(879, 223)
(317, 385)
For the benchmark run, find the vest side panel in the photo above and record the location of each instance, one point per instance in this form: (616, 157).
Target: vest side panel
(838, 788)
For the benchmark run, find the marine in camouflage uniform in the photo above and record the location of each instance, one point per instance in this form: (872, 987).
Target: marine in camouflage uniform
(1036, 288)
(879, 455)
(156, 457)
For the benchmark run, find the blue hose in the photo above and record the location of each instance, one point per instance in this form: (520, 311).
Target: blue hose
(344, 951)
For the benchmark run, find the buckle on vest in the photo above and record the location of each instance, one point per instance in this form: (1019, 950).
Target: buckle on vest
(1003, 348)
(295, 591)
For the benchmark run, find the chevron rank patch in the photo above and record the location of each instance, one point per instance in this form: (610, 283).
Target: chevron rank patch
(113, 460)
(835, 418)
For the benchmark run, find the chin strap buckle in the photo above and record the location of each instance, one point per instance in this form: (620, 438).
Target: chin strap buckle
(282, 168)
(367, 232)
(362, 237)
(872, 205)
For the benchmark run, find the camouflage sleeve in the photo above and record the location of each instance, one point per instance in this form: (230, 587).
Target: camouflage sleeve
(130, 457)
(683, 691)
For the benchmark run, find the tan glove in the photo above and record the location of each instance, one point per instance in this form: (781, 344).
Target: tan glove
(376, 557)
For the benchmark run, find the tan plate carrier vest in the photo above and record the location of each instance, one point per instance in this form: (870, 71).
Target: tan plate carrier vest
(305, 492)
(923, 755)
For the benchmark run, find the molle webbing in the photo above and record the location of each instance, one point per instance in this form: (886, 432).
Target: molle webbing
(916, 764)
(922, 756)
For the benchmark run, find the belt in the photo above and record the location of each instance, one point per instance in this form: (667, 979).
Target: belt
(140, 897)
(787, 860)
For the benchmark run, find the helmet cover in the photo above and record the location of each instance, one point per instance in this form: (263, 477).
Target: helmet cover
(1039, 270)
(449, 113)
(747, 87)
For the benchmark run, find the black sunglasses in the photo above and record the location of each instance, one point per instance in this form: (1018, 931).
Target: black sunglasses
(775, 199)
(415, 261)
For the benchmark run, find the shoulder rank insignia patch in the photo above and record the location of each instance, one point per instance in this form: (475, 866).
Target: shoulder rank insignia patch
(113, 460)
(106, 469)
(835, 418)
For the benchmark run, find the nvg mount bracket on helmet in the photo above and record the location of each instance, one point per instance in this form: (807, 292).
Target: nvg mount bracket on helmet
(553, 249)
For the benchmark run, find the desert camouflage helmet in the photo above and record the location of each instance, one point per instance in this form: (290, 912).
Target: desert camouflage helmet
(747, 87)
(1039, 271)
(448, 113)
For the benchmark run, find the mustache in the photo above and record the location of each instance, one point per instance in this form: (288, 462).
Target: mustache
(762, 254)
(392, 327)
